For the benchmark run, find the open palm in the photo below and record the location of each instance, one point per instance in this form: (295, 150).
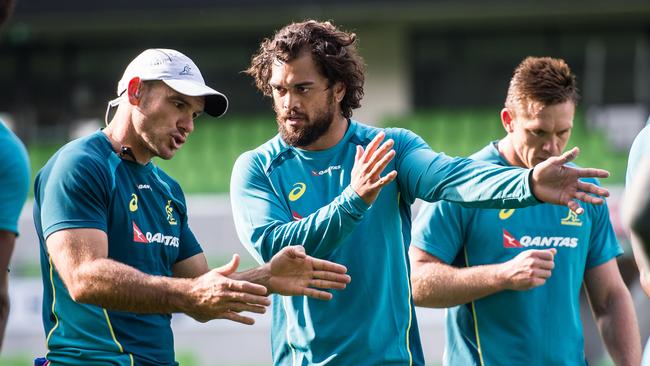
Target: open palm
(295, 273)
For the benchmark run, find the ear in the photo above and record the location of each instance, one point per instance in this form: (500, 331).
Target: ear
(507, 120)
(133, 90)
(339, 91)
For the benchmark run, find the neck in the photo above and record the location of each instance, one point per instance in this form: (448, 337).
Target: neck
(120, 133)
(334, 134)
(508, 152)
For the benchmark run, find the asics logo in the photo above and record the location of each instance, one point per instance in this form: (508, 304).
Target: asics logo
(297, 192)
(506, 213)
(133, 204)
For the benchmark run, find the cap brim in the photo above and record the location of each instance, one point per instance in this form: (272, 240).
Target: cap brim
(216, 104)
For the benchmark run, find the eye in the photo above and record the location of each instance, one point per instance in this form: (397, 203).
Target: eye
(537, 133)
(278, 89)
(302, 89)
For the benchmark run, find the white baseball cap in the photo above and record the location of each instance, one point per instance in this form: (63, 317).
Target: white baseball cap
(178, 72)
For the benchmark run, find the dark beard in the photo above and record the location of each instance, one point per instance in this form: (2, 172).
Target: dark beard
(308, 135)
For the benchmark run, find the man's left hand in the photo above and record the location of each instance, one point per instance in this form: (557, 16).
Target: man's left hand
(554, 182)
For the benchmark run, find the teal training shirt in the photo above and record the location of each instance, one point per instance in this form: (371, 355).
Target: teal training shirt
(14, 179)
(537, 327)
(143, 212)
(282, 195)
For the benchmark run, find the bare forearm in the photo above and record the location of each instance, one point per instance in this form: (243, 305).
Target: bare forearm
(4, 305)
(439, 286)
(7, 243)
(116, 286)
(618, 327)
(642, 260)
(260, 275)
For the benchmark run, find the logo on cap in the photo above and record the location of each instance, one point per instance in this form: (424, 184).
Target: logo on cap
(186, 71)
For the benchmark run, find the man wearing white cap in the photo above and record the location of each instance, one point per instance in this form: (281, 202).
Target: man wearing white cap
(117, 254)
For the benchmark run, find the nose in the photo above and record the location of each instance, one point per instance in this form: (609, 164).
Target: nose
(289, 101)
(551, 145)
(186, 124)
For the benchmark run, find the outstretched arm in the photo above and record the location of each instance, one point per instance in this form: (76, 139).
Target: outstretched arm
(439, 285)
(291, 272)
(614, 313)
(434, 176)
(80, 257)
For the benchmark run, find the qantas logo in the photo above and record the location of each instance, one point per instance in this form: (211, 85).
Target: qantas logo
(328, 170)
(150, 238)
(138, 236)
(509, 241)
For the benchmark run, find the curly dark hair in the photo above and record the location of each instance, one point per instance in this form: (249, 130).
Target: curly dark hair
(543, 81)
(333, 50)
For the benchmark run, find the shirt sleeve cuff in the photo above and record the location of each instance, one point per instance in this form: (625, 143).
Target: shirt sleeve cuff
(353, 203)
(529, 178)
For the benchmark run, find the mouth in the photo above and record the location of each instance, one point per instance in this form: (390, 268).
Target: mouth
(178, 140)
(295, 119)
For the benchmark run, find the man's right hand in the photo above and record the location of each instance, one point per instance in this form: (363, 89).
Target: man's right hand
(366, 177)
(530, 268)
(218, 297)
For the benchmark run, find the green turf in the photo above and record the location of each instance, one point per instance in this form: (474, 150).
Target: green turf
(204, 164)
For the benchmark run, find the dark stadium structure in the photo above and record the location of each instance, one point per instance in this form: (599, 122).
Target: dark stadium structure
(59, 61)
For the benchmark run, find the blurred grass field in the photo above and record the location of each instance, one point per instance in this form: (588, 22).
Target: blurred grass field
(204, 164)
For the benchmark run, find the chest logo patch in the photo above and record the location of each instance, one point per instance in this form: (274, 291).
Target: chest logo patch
(571, 219)
(509, 241)
(297, 192)
(506, 213)
(138, 236)
(170, 213)
(133, 204)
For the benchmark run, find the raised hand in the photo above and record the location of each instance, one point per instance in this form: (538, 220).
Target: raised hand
(218, 297)
(554, 182)
(530, 268)
(366, 177)
(292, 272)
